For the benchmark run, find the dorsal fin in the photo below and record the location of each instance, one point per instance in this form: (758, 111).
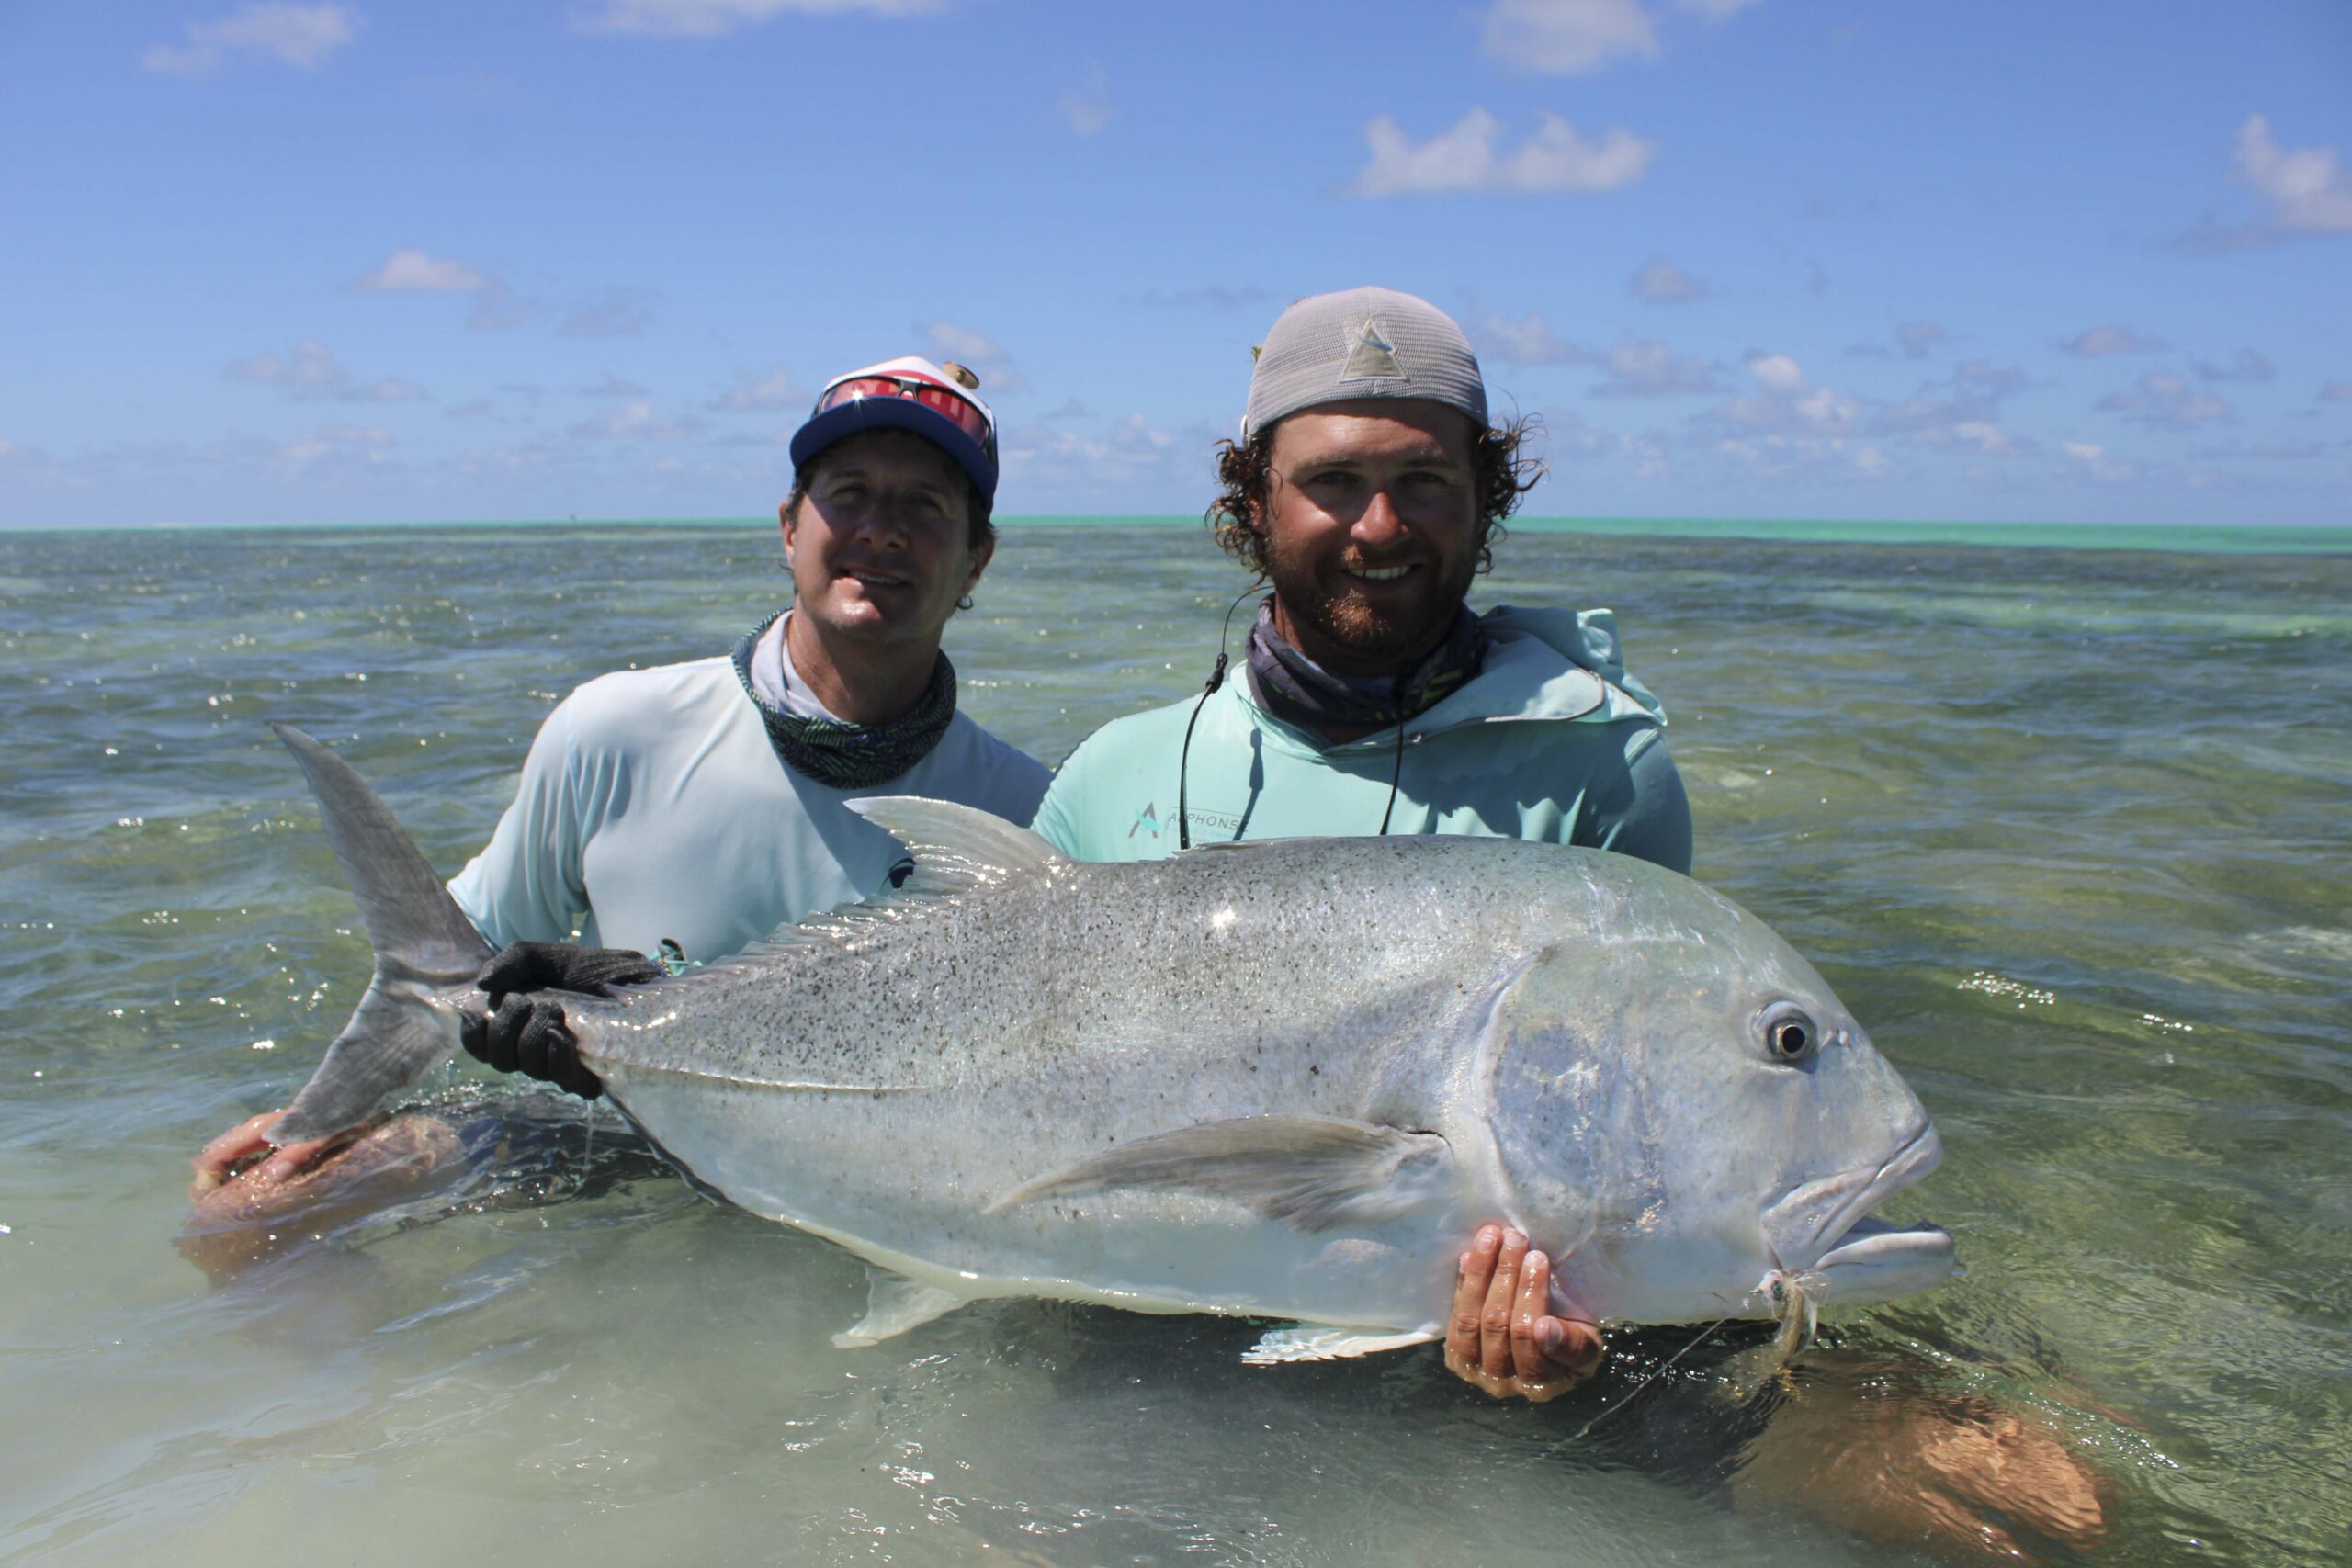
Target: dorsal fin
(957, 848)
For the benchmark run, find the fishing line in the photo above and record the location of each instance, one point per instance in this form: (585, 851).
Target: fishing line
(1656, 1373)
(1216, 679)
(1395, 775)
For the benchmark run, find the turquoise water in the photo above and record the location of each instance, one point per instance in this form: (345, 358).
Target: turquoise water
(2065, 827)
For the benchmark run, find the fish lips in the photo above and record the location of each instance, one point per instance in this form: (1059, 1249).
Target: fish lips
(1810, 1227)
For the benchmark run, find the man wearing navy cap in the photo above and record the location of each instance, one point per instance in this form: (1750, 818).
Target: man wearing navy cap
(700, 803)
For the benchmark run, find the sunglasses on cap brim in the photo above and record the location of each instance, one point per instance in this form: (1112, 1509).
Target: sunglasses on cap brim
(943, 400)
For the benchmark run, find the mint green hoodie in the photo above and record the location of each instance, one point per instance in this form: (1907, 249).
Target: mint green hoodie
(1553, 742)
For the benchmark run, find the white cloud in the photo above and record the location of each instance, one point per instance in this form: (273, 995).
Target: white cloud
(1916, 338)
(763, 393)
(1087, 106)
(2096, 463)
(2336, 392)
(299, 35)
(1787, 404)
(1568, 36)
(2099, 342)
(1637, 367)
(1661, 282)
(1465, 158)
(1530, 341)
(309, 373)
(963, 344)
(2246, 364)
(1644, 367)
(610, 386)
(2309, 192)
(708, 18)
(413, 270)
(617, 312)
(2166, 401)
(636, 421)
(335, 444)
(976, 352)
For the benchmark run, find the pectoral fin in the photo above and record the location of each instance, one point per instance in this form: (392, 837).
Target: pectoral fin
(1310, 1342)
(1310, 1172)
(895, 1304)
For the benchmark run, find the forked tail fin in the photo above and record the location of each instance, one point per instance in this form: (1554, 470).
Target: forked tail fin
(423, 941)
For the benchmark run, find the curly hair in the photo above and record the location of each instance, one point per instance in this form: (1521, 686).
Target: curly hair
(1502, 475)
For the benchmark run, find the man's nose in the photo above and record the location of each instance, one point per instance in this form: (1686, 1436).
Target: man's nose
(1378, 523)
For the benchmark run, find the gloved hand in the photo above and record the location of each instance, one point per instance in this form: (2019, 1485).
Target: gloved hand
(524, 1031)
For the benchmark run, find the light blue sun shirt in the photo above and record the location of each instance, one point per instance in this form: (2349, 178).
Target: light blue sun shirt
(1553, 742)
(652, 805)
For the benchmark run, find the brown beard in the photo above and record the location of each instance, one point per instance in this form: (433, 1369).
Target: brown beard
(1368, 640)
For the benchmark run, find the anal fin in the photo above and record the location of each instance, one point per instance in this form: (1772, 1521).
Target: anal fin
(895, 1304)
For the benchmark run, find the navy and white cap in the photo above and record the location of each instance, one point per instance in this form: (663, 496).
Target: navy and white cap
(1362, 342)
(908, 393)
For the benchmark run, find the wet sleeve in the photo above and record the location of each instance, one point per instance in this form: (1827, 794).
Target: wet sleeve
(528, 884)
(1644, 812)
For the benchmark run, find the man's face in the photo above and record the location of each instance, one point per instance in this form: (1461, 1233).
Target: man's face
(1371, 532)
(880, 547)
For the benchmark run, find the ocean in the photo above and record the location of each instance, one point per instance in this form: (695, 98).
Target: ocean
(2063, 816)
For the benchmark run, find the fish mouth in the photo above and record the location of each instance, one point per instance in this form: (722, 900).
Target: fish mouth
(1806, 1225)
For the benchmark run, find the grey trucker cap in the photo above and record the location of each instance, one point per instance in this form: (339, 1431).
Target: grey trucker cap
(1362, 342)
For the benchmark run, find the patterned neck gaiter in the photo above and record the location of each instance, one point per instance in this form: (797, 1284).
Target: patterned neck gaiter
(1298, 691)
(853, 756)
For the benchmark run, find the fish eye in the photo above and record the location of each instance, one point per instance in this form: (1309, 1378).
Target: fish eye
(1789, 1033)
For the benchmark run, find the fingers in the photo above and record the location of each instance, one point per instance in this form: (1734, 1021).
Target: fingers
(293, 1159)
(522, 966)
(1494, 1323)
(1529, 1359)
(1500, 1334)
(218, 1159)
(1466, 1321)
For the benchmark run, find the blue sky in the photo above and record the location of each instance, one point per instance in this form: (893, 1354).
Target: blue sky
(364, 261)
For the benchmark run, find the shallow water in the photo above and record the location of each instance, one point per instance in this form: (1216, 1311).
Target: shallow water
(2068, 830)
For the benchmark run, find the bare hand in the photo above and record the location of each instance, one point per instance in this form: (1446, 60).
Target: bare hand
(1501, 1337)
(242, 1154)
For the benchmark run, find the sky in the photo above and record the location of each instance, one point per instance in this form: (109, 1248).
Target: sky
(1938, 260)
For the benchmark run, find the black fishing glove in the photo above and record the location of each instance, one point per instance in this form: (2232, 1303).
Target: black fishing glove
(524, 1028)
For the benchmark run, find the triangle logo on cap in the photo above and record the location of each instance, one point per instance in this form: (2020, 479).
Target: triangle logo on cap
(1374, 357)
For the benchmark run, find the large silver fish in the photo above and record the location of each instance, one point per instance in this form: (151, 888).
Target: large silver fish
(1282, 1080)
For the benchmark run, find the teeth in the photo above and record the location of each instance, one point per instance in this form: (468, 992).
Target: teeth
(1380, 575)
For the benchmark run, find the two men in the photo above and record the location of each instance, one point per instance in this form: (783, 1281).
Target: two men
(700, 803)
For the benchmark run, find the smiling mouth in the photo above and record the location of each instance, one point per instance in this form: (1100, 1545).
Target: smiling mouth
(1380, 573)
(877, 579)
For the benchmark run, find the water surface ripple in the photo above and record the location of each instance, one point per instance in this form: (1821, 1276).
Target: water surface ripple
(2066, 828)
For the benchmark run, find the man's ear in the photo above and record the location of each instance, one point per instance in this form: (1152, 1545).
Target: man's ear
(784, 517)
(982, 553)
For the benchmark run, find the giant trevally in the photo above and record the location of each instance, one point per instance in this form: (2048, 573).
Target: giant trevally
(1281, 1079)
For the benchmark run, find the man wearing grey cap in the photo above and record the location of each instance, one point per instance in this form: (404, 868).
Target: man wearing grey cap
(1365, 490)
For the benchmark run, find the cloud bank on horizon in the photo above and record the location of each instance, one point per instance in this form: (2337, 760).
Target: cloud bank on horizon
(1740, 257)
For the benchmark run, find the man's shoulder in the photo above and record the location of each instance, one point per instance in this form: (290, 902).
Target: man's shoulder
(1153, 733)
(627, 711)
(994, 766)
